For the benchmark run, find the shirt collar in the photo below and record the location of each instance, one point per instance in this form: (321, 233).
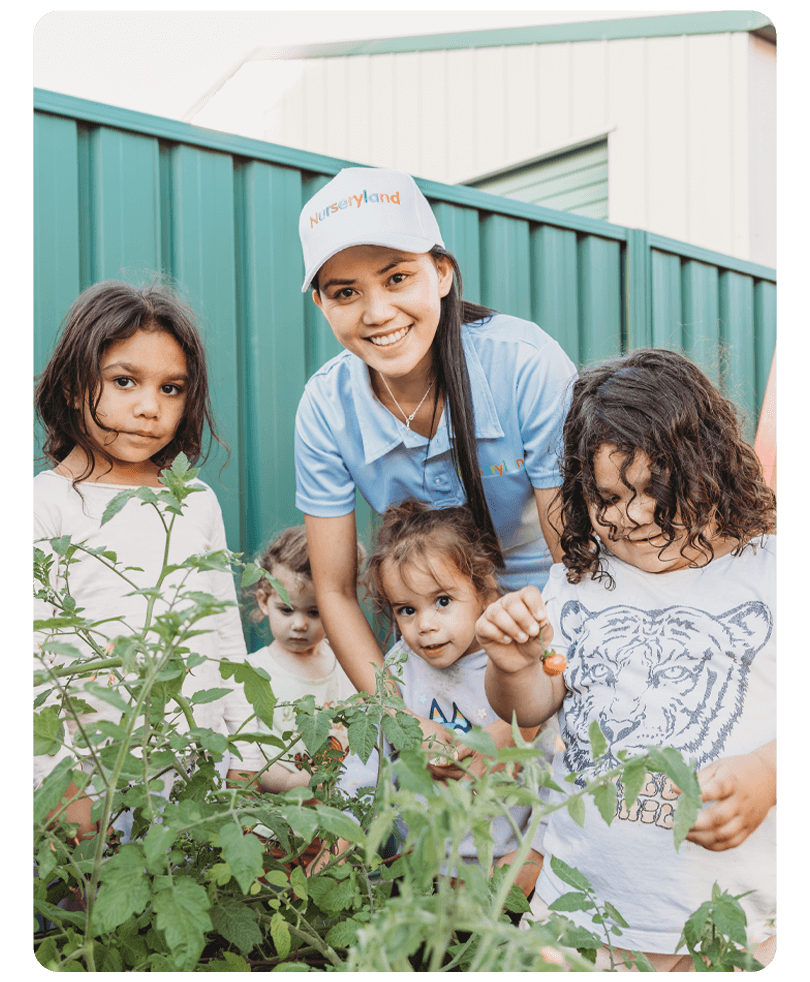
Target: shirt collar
(380, 431)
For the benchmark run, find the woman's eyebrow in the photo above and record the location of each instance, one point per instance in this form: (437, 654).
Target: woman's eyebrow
(389, 266)
(336, 282)
(349, 281)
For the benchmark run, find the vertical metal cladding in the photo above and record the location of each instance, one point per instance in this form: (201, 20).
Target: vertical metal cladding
(119, 194)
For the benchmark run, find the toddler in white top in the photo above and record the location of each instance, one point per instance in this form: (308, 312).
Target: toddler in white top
(299, 660)
(664, 607)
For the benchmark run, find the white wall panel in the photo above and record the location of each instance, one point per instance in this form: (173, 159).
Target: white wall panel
(521, 103)
(489, 86)
(588, 87)
(739, 178)
(627, 142)
(762, 150)
(406, 115)
(382, 110)
(460, 116)
(356, 113)
(554, 95)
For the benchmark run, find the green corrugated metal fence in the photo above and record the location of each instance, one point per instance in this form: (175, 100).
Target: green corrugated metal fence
(119, 193)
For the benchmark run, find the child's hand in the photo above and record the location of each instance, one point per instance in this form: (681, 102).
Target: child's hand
(515, 630)
(527, 874)
(744, 790)
(326, 856)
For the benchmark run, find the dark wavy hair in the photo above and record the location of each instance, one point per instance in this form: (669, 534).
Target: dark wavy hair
(703, 473)
(412, 534)
(453, 381)
(104, 313)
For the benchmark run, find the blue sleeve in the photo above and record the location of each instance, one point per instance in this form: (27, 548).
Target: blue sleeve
(543, 383)
(324, 486)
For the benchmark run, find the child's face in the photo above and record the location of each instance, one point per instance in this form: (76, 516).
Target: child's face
(639, 540)
(384, 305)
(295, 626)
(435, 610)
(143, 397)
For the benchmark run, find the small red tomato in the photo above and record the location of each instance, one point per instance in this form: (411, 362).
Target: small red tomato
(554, 664)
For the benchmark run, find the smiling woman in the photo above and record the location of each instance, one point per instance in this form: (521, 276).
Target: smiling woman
(384, 306)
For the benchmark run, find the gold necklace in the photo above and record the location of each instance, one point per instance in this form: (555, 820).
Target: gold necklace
(408, 419)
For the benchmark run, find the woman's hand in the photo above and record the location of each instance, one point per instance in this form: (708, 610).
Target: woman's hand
(743, 790)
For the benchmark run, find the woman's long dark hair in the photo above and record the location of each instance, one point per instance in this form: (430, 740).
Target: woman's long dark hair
(452, 379)
(704, 475)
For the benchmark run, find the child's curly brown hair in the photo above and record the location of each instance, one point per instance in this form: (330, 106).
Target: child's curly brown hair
(657, 402)
(411, 533)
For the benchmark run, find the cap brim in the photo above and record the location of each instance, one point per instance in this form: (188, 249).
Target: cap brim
(409, 243)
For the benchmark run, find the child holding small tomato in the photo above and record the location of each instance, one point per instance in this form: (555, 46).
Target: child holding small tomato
(664, 608)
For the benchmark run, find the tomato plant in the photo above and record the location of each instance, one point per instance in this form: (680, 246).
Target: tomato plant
(191, 886)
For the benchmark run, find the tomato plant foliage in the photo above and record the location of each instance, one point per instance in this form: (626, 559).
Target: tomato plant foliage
(197, 888)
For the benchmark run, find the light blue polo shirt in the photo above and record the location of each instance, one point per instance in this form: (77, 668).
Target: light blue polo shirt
(520, 379)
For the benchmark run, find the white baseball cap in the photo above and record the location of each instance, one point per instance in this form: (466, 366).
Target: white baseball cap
(365, 206)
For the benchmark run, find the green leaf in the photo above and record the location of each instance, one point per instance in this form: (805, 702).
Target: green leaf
(302, 820)
(257, 688)
(125, 889)
(670, 762)
(180, 466)
(243, 853)
(60, 648)
(331, 895)
(569, 875)
(605, 799)
(237, 923)
(343, 934)
(208, 695)
(413, 775)
(182, 914)
(576, 809)
(339, 824)
(49, 731)
(298, 882)
(686, 811)
(230, 962)
(571, 901)
(362, 735)
(729, 918)
(156, 844)
(252, 573)
(60, 545)
(599, 744)
(280, 934)
(117, 503)
(399, 732)
(108, 694)
(634, 777)
(615, 915)
(478, 740)
(314, 730)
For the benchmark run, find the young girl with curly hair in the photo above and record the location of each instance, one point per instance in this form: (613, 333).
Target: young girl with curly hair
(431, 573)
(664, 607)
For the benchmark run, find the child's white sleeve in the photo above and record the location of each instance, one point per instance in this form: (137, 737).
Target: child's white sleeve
(235, 707)
(46, 526)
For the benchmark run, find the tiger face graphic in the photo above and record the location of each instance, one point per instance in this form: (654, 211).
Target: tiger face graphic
(674, 677)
